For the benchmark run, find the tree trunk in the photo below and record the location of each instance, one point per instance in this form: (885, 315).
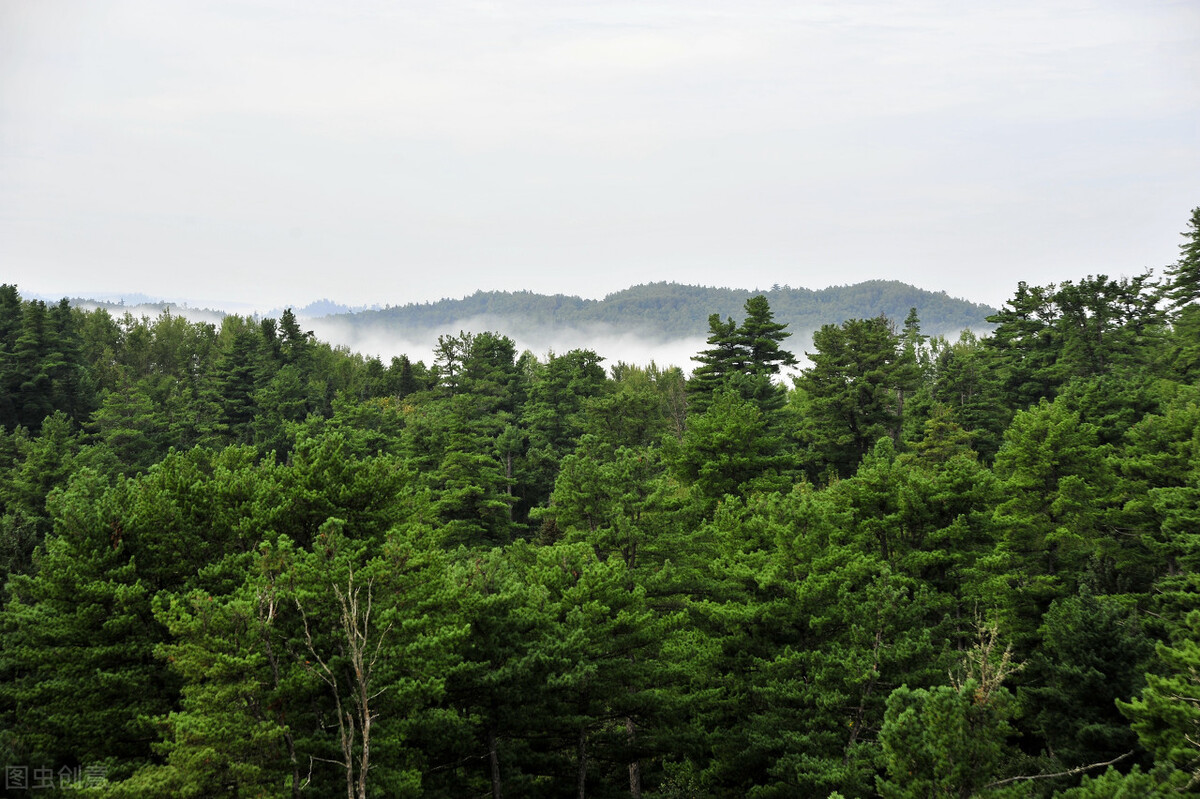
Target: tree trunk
(494, 757)
(635, 766)
(266, 616)
(582, 763)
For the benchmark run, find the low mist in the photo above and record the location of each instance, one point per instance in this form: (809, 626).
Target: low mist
(636, 347)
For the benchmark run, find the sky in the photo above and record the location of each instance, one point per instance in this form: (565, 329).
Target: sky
(274, 152)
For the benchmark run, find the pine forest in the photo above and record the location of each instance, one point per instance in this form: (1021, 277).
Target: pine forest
(240, 562)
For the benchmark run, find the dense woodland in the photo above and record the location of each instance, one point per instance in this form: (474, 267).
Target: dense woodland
(672, 310)
(240, 562)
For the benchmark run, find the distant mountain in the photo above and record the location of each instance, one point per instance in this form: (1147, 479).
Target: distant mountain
(673, 310)
(144, 305)
(666, 322)
(327, 307)
(133, 300)
(140, 306)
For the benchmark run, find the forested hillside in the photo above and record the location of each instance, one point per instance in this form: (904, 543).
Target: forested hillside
(671, 310)
(241, 562)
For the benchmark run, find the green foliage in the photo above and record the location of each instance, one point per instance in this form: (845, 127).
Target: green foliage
(642, 407)
(37, 467)
(682, 311)
(1046, 335)
(230, 735)
(950, 740)
(1167, 714)
(1093, 653)
(745, 357)
(1183, 286)
(968, 388)
(79, 637)
(942, 741)
(729, 449)
(1113, 784)
(849, 396)
(555, 415)
(505, 575)
(1056, 480)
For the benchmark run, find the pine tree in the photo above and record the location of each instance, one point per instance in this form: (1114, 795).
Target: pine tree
(554, 417)
(296, 345)
(760, 337)
(1183, 286)
(849, 393)
(11, 313)
(728, 449)
(34, 383)
(72, 390)
(1093, 652)
(1057, 481)
(724, 359)
(1024, 347)
(950, 740)
(1166, 717)
(745, 356)
(238, 376)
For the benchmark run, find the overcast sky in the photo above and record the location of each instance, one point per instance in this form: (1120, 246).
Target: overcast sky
(274, 153)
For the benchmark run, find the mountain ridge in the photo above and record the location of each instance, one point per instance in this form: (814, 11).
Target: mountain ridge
(671, 309)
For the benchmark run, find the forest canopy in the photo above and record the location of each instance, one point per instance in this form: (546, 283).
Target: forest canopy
(239, 561)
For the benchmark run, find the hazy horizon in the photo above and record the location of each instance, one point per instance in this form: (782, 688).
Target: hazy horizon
(232, 305)
(385, 339)
(385, 154)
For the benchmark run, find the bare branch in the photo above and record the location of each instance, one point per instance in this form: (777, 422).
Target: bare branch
(1069, 773)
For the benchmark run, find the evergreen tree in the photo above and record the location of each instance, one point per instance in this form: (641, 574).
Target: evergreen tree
(746, 356)
(1166, 716)
(638, 410)
(729, 449)
(378, 634)
(496, 688)
(295, 344)
(1025, 346)
(238, 376)
(1183, 278)
(1093, 653)
(39, 465)
(912, 365)
(554, 417)
(78, 648)
(402, 377)
(241, 713)
(725, 358)
(1057, 481)
(760, 336)
(964, 383)
(278, 403)
(951, 740)
(849, 393)
(125, 424)
(34, 385)
(11, 317)
(72, 390)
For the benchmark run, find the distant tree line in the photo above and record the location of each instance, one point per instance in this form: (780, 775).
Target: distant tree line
(677, 311)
